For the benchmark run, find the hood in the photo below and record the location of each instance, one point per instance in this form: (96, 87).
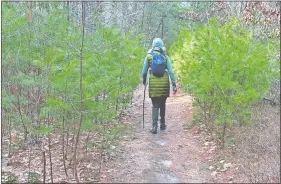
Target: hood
(157, 42)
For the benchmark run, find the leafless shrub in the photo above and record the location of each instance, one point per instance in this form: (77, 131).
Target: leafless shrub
(274, 94)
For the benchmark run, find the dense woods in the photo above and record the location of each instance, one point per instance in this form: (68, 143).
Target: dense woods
(69, 70)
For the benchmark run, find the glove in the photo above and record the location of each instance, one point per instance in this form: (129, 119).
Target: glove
(174, 89)
(144, 80)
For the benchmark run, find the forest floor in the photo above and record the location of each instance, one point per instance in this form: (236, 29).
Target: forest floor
(184, 152)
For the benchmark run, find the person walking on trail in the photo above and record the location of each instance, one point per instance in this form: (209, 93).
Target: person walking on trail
(158, 64)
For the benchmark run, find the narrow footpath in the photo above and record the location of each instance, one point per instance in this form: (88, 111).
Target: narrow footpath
(178, 154)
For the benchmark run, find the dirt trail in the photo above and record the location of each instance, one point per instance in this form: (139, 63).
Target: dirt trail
(172, 156)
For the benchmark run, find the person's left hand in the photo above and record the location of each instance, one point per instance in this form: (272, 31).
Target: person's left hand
(174, 89)
(144, 81)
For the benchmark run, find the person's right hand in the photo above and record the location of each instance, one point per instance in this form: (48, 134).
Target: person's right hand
(144, 79)
(144, 82)
(174, 89)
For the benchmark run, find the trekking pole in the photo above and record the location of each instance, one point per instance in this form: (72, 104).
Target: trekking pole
(143, 105)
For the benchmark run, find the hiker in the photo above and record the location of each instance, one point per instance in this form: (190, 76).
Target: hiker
(159, 66)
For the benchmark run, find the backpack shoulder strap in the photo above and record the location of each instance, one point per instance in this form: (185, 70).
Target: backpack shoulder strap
(165, 60)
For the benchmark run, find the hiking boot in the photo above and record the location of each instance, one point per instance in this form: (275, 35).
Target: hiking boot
(154, 128)
(162, 124)
(153, 131)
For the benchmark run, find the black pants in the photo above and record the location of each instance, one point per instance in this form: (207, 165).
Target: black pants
(158, 103)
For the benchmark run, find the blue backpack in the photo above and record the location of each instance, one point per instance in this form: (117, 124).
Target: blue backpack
(158, 64)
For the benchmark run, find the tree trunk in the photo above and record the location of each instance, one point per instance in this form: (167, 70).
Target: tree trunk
(142, 30)
(132, 95)
(50, 154)
(10, 136)
(120, 87)
(21, 118)
(44, 167)
(67, 137)
(68, 12)
(223, 135)
(63, 127)
(30, 10)
(29, 160)
(81, 92)
(142, 15)
(63, 154)
(162, 31)
(87, 140)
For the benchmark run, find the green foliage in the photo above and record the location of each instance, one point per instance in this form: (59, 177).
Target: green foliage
(225, 68)
(43, 130)
(41, 57)
(11, 179)
(151, 23)
(33, 177)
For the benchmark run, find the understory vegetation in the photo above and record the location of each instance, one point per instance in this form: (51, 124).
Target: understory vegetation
(69, 70)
